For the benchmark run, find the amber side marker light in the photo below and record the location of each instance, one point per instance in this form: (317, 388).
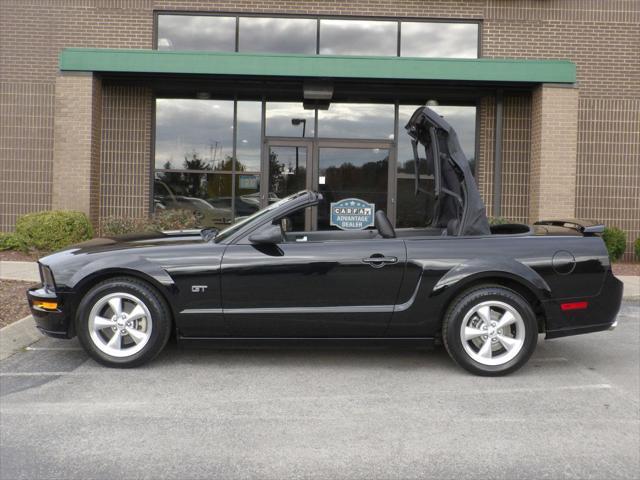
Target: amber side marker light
(574, 306)
(45, 305)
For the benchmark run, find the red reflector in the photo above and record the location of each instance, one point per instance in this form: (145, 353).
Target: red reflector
(574, 306)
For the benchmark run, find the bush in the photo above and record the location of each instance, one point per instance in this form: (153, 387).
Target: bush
(10, 241)
(636, 248)
(499, 221)
(616, 242)
(174, 219)
(48, 231)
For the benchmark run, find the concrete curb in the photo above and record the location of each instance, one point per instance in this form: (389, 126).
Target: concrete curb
(17, 336)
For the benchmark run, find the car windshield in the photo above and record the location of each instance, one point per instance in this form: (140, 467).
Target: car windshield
(230, 230)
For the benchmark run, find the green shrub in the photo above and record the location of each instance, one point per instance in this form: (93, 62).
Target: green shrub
(616, 241)
(48, 231)
(636, 248)
(174, 219)
(10, 241)
(499, 220)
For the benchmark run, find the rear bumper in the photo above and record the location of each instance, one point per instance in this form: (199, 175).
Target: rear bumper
(54, 323)
(601, 313)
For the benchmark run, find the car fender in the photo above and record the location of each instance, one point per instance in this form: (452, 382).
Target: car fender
(135, 265)
(492, 267)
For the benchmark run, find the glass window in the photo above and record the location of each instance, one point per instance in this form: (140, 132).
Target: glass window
(247, 195)
(289, 119)
(358, 37)
(194, 134)
(352, 172)
(415, 210)
(208, 195)
(435, 39)
(191, 32)
(249, 135)
(282, 35)
(357, 120)
(287, 171)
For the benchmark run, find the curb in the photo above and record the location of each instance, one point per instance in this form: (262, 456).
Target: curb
(17, 336)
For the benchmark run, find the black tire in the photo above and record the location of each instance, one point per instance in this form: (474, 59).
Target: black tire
(464, 304)
(152, 300)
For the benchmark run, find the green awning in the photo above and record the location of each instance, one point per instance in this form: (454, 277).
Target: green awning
(315, 66)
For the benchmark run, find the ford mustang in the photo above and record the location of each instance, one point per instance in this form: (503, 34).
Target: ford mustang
(485, 292)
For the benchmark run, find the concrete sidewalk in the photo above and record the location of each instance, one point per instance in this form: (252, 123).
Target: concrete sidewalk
(28, 272)
(24, 271)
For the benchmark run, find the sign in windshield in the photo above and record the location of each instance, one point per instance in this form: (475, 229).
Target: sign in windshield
(352, 214)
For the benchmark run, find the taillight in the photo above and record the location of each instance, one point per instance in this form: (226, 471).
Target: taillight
(574, 306)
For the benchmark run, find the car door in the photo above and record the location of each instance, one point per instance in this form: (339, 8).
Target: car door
(332, 288)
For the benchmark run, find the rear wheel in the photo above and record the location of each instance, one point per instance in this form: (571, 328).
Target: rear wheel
(123, 322)
(490, 330)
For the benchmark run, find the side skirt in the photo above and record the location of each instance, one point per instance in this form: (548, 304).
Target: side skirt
(235, 342)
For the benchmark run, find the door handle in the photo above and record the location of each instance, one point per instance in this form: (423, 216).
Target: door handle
(378, 260)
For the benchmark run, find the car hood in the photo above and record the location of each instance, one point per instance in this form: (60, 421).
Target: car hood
(140, 252)
(129, 242)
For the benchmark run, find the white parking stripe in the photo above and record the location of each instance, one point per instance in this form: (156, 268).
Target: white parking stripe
(55, 349)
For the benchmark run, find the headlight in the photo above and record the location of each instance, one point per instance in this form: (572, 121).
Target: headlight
(47, 278)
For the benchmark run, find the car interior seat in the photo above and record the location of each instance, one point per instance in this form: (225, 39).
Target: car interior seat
(383, 225)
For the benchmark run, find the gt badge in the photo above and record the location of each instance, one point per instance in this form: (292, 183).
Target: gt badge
(198, 288)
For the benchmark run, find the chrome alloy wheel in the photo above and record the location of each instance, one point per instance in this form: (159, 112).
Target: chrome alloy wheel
(120, 324)
(492, 333)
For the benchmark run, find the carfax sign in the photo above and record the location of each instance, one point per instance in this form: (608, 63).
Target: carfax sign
(352, 214)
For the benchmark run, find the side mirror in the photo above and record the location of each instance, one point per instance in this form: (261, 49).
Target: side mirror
(271, 235)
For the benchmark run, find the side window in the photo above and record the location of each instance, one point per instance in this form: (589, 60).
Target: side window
(295, 222)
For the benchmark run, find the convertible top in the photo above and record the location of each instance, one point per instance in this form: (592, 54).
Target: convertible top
(459, 206)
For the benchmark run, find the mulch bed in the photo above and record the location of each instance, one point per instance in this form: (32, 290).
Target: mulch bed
(626, 269)
(13, 301)
(16, 256)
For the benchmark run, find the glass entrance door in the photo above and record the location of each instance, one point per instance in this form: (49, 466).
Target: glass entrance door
(360, 170)
(338, 169)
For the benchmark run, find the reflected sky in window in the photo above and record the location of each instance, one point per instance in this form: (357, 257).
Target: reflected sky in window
(279, 120)
(188, 130)
(356, 120)
(189, 32)
(432, 39)
(358, 37)
(281, 35)
(249, 132)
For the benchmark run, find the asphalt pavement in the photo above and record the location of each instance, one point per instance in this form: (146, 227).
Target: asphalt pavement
(572, 412)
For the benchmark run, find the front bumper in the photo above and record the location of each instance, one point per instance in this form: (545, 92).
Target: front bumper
(54, 323)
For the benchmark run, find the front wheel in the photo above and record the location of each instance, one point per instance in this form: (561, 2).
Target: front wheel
(123, 322)
(490, 330)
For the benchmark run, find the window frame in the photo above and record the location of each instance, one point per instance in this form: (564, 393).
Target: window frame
(398, 20)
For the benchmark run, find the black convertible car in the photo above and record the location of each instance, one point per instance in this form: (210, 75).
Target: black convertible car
(484, 292)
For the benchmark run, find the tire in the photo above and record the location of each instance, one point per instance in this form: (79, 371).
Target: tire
(143, 330)
(509, 325)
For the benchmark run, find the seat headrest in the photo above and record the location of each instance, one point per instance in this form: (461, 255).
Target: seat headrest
(452, 227)
(383, 225)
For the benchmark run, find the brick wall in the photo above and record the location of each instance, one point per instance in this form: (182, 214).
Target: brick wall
(553, 153)
(76, 155)
(126, 150)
